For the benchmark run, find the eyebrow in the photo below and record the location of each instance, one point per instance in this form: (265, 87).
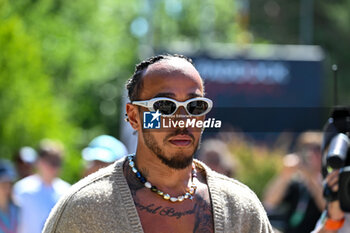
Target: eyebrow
(172, 95)
(164, 94)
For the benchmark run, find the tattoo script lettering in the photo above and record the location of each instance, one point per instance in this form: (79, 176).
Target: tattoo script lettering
(168, 211)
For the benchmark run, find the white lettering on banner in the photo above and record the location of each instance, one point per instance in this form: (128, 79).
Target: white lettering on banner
(253, 72)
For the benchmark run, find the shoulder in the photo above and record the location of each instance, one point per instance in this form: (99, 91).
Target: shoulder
(91, 198)
(89, 187)
(60, 185)
(27, 185)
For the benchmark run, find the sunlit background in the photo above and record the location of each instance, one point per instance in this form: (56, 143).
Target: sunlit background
(63, 63)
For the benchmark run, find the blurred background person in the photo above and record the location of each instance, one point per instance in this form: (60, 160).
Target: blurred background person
(294, 198)
(216, 155)
(8, 210)
(38, 193)
(102, 151)
(333, 219)
(25, 160)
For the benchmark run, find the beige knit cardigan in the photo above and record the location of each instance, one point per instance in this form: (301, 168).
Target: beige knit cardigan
(102, 203)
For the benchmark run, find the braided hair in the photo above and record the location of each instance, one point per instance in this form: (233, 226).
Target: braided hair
(134, 84)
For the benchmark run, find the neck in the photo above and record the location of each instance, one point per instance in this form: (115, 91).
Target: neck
(174, 181)
(47, 179)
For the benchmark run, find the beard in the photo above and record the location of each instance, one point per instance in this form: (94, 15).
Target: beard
(177, 160)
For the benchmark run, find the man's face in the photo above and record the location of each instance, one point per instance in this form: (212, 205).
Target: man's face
(50, 166)
(177, 79)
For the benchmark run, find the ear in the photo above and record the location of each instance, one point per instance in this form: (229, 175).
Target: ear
(133, 115)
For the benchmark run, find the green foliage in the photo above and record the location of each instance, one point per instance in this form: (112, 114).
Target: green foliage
(257, 164)
(84, 45)
(332, 32)
(63, 68)
(26, 100)
(29, 109)
(197, 21)
(278, 22)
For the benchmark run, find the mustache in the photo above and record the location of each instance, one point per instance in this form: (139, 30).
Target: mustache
(180, 132)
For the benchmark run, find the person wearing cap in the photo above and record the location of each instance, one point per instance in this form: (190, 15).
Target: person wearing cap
(101, 152)
(25, 160)
(8, 210)
(38, 193)
(293, 199)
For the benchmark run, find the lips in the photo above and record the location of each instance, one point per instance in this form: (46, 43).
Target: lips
(181, 140)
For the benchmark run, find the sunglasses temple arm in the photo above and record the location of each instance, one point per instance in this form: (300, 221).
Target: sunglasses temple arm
(140, 103)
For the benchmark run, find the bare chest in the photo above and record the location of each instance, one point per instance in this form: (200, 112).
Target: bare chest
(194, 216)
(159, 215)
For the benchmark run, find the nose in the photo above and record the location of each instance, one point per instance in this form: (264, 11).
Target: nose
(180, 116)
(181, 111)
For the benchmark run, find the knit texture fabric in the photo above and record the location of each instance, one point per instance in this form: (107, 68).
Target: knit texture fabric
(102, 202)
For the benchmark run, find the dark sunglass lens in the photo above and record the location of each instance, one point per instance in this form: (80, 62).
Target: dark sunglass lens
(197, 107)
(165, 107)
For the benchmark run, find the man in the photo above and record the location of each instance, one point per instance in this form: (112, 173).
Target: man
(216, 155)
(38, 193)
(161, 188)
(294, 199)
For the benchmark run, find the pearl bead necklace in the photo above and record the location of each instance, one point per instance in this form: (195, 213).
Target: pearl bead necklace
(188, 195)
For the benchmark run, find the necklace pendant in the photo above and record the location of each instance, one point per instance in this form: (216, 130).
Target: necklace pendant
(148, 185)
(190, 191)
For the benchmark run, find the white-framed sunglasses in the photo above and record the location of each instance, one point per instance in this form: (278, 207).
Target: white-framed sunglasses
(195, 107)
